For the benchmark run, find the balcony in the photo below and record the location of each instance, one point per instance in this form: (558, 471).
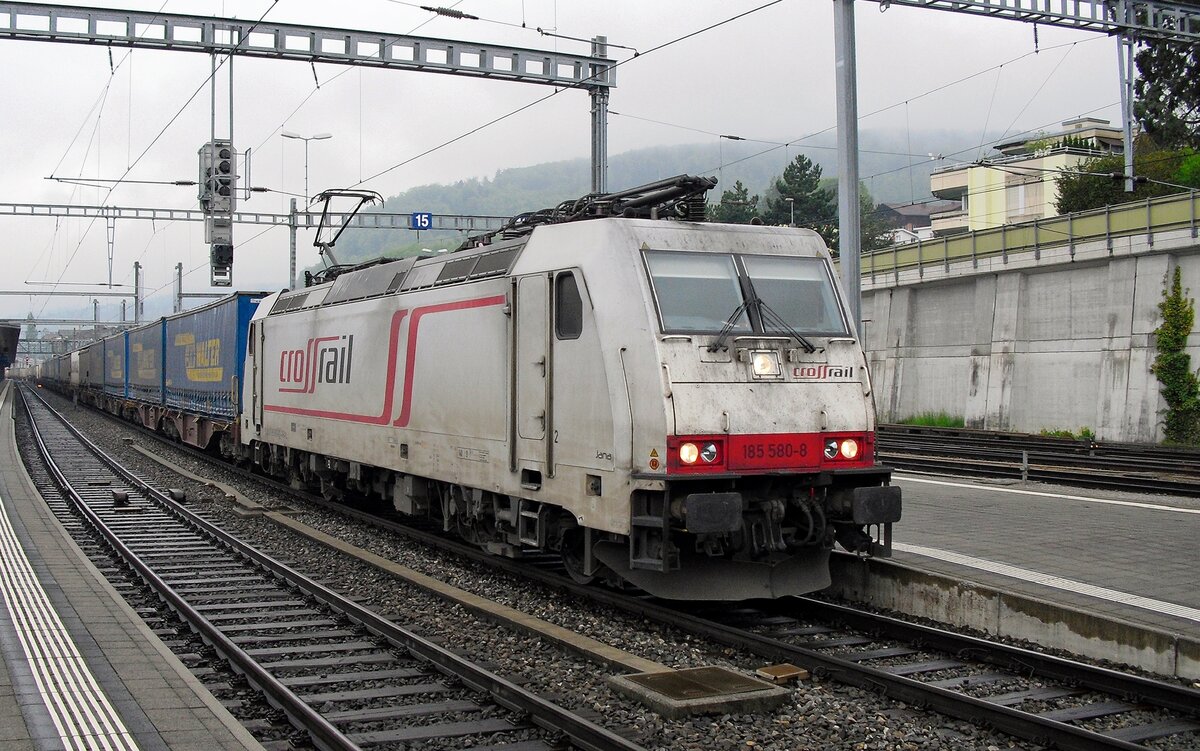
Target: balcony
(949, 184)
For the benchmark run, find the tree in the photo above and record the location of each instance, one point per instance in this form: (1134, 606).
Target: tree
(1092, 184)
(1173, 366)
(1167, 92)
(874, 230)
(737, 206)
(813, 206)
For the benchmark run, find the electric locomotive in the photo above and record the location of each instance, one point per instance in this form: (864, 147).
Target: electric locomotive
(680, 405)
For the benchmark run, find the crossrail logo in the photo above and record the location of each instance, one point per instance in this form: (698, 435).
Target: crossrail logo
(823, 372)
(323, 362)
(326, 359)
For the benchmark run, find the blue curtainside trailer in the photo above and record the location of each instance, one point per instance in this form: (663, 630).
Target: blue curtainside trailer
(116, 350)
(205, 350)
(145, 368)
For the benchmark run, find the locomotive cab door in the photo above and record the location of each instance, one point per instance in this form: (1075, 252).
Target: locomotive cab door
(256, 377)
(531, 373)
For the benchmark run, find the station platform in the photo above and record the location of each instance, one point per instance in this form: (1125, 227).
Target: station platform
(1107, 574)
(81, 671)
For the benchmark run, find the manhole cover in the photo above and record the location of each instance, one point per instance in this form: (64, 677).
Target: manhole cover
(697, 683)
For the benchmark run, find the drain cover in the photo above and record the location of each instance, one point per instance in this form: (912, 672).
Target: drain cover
(697, 683)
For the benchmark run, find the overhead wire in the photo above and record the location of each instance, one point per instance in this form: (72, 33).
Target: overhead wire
(101, 99)
(556, 92)
(155, 140)
(881, 110)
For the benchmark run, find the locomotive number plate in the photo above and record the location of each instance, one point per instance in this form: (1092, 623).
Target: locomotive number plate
(783, 451)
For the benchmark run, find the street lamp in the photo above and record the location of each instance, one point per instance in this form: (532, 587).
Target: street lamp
(791, 202)
(306, 139)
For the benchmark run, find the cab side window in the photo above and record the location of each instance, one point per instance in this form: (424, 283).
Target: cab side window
(568, 307)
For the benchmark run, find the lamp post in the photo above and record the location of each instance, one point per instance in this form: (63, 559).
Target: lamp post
(791, 202)
(306, 139)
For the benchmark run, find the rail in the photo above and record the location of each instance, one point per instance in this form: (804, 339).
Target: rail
(325, 735)
(1086, 463)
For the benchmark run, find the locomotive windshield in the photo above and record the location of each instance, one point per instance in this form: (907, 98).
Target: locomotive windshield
(799, 290)
(698, 292)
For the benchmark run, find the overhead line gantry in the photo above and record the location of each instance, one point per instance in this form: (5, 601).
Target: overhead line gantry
(594, 73)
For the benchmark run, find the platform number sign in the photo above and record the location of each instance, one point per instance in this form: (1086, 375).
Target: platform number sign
(421, 220)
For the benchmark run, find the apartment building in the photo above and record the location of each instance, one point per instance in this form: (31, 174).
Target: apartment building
(1017, 185)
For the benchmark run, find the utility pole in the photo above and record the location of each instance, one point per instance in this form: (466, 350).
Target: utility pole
(292, 246)
(849, 226)
(599, 96)
(1125, 43)
(137, 292)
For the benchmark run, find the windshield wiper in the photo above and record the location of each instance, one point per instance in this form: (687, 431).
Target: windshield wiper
(768, 316)
(728, 327)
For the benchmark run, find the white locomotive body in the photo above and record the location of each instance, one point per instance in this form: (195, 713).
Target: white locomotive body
(680, 405)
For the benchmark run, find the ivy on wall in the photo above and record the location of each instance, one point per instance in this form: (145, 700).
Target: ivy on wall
(1173, 366)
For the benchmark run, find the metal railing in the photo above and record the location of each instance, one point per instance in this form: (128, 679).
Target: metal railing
(1178, 211)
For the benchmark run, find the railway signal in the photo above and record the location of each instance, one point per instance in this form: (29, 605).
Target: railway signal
(218, 197)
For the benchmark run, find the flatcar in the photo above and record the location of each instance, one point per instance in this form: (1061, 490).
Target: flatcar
(670, 403)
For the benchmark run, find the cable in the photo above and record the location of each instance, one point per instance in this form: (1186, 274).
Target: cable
(1045, 81)
(988, 117)
(929, 92)
(556, 92)
(747, 139)
(155, 140)
(522, 25)
(383, 52)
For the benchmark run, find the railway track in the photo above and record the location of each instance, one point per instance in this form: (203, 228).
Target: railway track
(1049, 700)
(1086, 463)
(1030, 695)
(344, 675)
(1025, 693)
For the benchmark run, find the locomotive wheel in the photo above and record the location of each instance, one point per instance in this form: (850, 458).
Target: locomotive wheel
(468, 531)
(572, 556)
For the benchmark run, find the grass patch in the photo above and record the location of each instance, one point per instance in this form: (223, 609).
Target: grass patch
(1084, 434)
(935, 420)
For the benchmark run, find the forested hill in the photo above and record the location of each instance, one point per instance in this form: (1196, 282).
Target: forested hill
(890, 167)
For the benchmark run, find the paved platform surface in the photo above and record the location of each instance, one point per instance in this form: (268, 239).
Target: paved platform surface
(90, 674)
(1131, 556)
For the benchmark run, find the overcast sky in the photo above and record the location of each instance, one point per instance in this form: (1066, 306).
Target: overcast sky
(768, 75)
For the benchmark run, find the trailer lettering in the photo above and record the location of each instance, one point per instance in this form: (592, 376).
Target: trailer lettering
(202, 361)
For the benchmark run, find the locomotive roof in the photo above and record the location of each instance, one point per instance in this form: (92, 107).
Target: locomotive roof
(406, 274)
(499, 258)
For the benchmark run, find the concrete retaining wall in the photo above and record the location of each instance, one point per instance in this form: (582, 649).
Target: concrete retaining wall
(962, 603)
(1055, 338)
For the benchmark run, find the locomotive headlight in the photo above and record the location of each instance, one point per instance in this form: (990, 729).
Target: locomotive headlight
(765, 364)
(689, 453)
(842, 449)
(709, 453)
